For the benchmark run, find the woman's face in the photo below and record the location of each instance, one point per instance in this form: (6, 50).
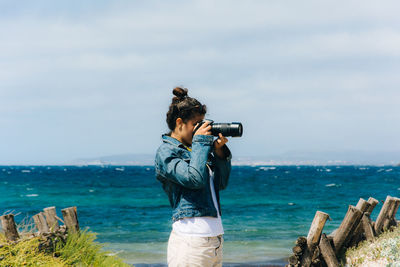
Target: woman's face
(185, 130)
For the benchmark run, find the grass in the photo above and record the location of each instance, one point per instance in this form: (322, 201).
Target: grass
(383, 251)
(77, 250)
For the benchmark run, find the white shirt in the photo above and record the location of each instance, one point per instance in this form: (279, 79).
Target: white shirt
(201, 226)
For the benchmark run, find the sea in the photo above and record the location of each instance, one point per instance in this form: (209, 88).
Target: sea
(264, 208)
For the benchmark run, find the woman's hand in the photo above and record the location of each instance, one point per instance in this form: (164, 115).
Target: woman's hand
(204, 129)
(218, 144)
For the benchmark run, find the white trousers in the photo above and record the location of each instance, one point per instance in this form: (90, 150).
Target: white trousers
(193, 251)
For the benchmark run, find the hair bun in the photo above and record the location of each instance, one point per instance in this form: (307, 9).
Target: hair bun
(180, 92)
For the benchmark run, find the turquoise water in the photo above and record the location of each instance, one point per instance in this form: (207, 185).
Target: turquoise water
(264, 209)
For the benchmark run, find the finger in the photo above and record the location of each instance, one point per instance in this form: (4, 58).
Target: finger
(205, 124)
(196, 127)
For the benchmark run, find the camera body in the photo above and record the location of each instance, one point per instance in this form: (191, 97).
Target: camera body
(234, 129)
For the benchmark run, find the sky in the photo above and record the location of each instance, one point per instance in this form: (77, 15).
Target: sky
(94, 78)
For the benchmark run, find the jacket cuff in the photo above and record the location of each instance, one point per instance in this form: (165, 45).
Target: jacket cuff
(203, 139)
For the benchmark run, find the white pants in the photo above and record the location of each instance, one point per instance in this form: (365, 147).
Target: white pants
(193, 251)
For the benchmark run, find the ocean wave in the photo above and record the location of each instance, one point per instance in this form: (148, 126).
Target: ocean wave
(32, 195)
(333, 185)
(266, 168)
(26, 171)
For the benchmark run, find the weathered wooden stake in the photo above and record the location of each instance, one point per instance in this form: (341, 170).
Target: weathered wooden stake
(391, 213)
(327, 252)
(9, 227)
(355, 235)
(352, 218)
(383, 214)
(358, 233)
(51, 219)
(396, 208)
(41, 223)
(71, 219)
(313, 237)
(363, 205)
(301, 241)
(367, 226)
(373, 203)
(297, 250)
(293, 260)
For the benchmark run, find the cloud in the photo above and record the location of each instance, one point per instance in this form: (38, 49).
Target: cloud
(272, 64)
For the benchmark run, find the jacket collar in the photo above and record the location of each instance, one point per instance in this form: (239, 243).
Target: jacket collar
(172, 141)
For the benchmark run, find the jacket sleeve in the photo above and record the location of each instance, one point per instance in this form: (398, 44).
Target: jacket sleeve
(192, 174)
(223, 166)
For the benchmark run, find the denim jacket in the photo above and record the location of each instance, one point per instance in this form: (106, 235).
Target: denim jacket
(185, 176)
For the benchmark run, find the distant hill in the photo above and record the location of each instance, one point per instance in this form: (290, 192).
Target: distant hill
(287, 158)
(324, 158)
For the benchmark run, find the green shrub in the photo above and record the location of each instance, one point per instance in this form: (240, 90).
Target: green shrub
(82, 250)
(77, 250)
(383, 251)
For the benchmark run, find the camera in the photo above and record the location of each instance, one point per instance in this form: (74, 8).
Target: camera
(234, 129)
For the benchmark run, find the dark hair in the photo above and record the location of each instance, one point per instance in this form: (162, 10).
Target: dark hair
(183, 107)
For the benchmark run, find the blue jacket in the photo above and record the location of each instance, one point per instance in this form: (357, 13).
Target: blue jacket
(185, 176)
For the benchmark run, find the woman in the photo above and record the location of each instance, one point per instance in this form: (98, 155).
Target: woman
(193, 168)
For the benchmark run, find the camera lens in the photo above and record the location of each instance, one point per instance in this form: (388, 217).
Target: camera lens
(234, 129)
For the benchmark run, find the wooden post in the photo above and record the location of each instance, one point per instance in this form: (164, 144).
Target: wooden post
(363, 205)
(41, 223)
(297, 250)
(293, 260)
(383, 214)
(317, 225)
(9, 227)
(71, 219)
(301, 241)
(358, 233)
(391, 213)
(373, 203)
(327, 252)
(51, 219)
(355, 235)
(396, 208)
(367, 227)
(314, 234)
(353, 217)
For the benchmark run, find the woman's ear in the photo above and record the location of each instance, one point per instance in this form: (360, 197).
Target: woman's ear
(179, 124)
